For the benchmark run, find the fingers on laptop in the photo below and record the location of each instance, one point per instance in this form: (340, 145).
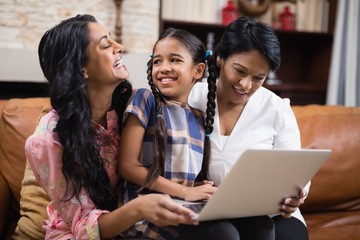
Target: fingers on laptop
(176, 214)
(204, 182)
(290, 204)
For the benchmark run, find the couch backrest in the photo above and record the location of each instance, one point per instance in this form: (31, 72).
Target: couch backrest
(337, 184)
(335, 187)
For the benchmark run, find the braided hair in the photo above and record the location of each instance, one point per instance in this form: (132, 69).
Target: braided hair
(160, 136)
(199, 55)
(210, 113)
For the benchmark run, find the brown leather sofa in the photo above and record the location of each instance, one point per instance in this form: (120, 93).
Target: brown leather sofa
(332, 210)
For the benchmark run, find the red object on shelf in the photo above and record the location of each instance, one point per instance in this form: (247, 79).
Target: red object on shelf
(229, 13)
(287, 19)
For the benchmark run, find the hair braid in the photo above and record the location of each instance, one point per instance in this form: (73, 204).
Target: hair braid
(157, 167)
(210, 113)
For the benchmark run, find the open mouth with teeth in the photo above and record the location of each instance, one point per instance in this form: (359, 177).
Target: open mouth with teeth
(118, 63)
(166, 80)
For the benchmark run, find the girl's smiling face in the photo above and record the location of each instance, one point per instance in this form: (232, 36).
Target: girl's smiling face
(174, 72)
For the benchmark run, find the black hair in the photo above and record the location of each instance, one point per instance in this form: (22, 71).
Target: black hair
(245, 34)
(62, 54)
(198, 52)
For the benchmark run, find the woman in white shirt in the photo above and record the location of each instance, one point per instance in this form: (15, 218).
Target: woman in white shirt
(248, 115)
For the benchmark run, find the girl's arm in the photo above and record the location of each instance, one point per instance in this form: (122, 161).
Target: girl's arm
(132, 170)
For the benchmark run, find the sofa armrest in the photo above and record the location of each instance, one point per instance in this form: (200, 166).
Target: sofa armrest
(4, 191)
(5, 201)
(18, 118)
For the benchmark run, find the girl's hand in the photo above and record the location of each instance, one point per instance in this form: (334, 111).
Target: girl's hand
(201, 191)
(290, 204)
(204, 182)
(162, 211)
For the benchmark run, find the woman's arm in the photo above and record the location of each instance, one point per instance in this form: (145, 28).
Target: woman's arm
(156, 208)
(132, 170)
(72, 219)
(288, 137)
(288, 134)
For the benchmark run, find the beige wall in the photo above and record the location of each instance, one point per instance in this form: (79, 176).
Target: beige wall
(22, 65)
(22, 22)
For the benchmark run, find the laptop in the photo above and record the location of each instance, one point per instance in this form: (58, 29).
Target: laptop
(258, 182)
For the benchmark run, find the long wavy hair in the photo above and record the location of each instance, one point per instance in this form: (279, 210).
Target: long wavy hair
(198, 52)
(62, 54)
(245, 34)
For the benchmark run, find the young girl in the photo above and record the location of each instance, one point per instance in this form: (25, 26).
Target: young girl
(164, 140)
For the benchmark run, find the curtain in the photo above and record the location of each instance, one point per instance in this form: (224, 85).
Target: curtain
(344, 75)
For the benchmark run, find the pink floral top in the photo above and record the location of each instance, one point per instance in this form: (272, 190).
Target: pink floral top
(73, 219)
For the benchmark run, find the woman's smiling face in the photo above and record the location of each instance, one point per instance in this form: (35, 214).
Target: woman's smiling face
(241, 74)
(105, 62)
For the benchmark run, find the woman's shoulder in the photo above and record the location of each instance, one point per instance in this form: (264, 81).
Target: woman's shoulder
(199, 88)
(48, 121)
(44, 140)
(270, 98)
(197, 98)
(265, 100)
(45, 127)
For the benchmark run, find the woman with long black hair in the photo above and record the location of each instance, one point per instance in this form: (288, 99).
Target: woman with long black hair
(73, 151)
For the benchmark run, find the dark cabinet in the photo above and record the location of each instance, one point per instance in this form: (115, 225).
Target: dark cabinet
(306, 57)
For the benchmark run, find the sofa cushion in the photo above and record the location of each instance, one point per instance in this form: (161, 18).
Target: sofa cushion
(4, 204)
(33, 204)
(337, 224)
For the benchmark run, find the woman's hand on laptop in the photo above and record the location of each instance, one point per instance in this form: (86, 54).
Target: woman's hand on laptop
(201, 191)
(290, 204)
(161, 210)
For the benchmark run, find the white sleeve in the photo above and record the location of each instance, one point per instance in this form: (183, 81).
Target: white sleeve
(198, 96)
(288, 134)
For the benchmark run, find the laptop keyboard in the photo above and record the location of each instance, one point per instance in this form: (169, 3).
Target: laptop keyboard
(195, 207)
